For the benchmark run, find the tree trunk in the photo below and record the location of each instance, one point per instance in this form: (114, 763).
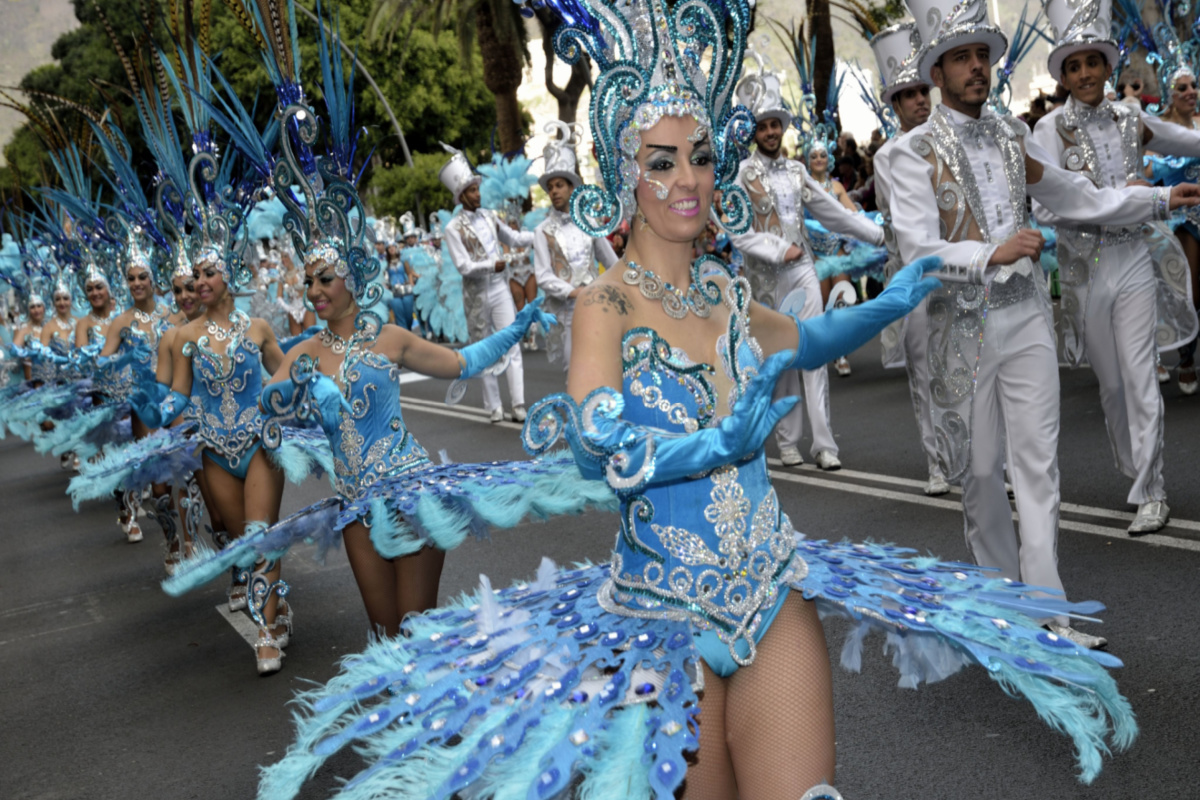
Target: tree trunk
(502, 76)
(581, 72)
(825, 56)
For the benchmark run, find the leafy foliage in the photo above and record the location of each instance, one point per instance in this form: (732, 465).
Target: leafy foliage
(433, 93)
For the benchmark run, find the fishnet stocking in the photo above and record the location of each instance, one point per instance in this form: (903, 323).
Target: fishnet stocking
(392, 588)
(776, 716)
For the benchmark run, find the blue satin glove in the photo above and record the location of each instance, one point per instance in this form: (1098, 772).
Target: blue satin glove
(172, 407)
(146, 402)
(844, 330)
(289, 342)
(636, 456)
(481, 355)
(306, 391)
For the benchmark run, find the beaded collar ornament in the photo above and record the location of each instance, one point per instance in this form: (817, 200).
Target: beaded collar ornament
(656, 62)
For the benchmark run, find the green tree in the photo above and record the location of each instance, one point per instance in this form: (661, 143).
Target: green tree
(495, 25)
(433, 93)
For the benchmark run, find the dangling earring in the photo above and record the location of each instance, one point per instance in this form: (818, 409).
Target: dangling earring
(642, 222)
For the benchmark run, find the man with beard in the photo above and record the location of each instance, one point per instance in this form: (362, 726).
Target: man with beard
(958, 191)
(778, 255)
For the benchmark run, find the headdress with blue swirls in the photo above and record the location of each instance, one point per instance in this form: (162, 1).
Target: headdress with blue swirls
(656, 62)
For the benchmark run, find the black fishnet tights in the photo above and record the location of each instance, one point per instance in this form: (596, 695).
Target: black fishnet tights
(766, 732)
(391, 588)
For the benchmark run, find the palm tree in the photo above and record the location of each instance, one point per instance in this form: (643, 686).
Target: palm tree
(498, 28)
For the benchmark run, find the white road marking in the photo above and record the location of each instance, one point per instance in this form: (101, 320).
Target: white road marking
(240, 622)
(797, 475)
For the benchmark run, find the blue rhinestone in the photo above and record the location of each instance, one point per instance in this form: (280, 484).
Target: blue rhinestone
(677, 640)
(483, 680)
(1055, 641)
(644, 689)
(645, 640)
(579, 697)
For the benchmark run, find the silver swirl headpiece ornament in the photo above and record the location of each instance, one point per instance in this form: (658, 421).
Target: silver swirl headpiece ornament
(325, 216)
(654, 62)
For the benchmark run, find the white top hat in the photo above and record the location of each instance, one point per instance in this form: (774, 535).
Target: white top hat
(761, 90)
(558, 155)
(945, 24)
(408, 225)
(896, 52)
(457, 174)
(1080, 25)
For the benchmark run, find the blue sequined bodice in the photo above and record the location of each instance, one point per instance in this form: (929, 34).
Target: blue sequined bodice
(712, 546)
(370, 441)
(142, 333)
(225, 389)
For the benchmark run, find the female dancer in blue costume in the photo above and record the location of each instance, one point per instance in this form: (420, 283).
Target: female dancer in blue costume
(217, 365)
(598, 682)
(141, 326)
(396, 511)
(31, 331)
(162, 458)
(1182, 111)
(59, 331)
(92, 326)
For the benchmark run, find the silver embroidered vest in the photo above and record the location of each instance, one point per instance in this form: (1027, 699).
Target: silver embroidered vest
(957, 311)
(1079, 246)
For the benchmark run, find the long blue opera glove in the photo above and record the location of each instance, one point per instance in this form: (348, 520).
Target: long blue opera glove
(631, 457)
(288, 342)
(481, 355)
(146, 402)
(306, 394)
(172, 406)
(843, 330)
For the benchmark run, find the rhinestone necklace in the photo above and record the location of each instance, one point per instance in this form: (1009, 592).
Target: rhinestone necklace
(675, 302)
(331, 340)
(239, 322)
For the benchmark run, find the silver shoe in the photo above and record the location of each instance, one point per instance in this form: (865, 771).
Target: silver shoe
(1085, 640)
(790, 456)
(936, 485)
(842, 365)
(131, 529)
(827, 461)
(518, 413)
(269, 664)
(1150, 517)
(497, 415)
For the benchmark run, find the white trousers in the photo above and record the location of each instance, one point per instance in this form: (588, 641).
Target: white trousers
(916, 363)
(1119, 326)
(565, 318)
(816, 382)
(503, 312)
(1016, 393)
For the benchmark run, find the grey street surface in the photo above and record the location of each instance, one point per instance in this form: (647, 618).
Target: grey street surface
(111, 689)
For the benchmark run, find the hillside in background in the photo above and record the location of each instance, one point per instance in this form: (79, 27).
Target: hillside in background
(28, 28)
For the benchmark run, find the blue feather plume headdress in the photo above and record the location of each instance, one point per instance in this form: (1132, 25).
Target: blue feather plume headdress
(325, 216)
(656, 62)
(1170, 58)
(818, 133)
(506, 184)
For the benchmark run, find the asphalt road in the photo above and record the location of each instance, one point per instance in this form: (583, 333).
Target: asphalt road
(111, 689)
